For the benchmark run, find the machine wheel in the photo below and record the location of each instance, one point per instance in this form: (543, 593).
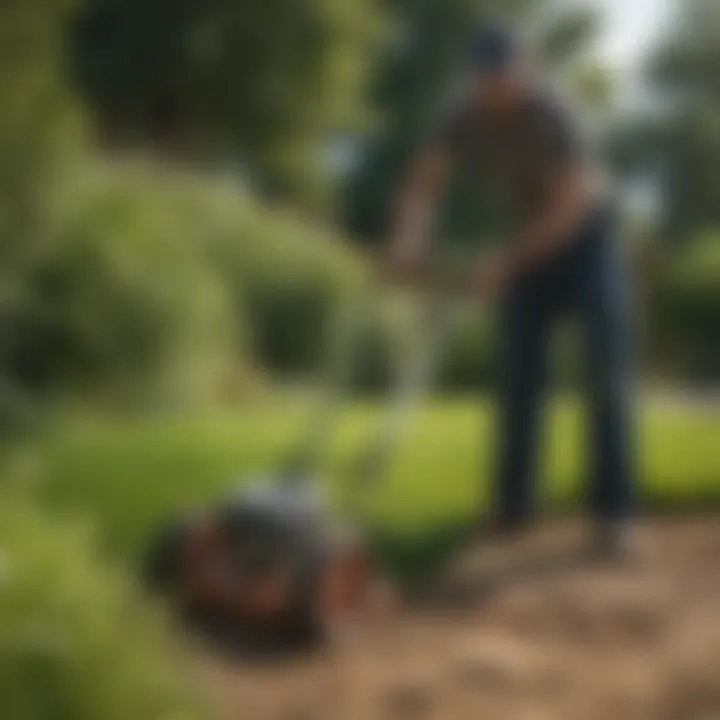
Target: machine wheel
(331, 596)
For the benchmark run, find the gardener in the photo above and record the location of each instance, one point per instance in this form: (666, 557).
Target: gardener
(562, 259)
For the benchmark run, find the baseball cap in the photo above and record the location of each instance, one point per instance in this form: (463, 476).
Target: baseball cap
(493, 48)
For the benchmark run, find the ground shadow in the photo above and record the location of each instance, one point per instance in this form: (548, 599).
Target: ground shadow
(458, 594)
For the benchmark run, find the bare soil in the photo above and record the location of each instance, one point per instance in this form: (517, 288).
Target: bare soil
(528, 629)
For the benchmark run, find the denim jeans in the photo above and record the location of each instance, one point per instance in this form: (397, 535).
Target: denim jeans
(586, 280)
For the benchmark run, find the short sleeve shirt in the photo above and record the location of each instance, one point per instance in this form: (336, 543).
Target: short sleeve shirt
(520, 156)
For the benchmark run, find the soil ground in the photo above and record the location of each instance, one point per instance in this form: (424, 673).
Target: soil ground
(524, 630)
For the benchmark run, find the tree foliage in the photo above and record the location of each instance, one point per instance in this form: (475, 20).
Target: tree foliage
(38, 124)
(677, 142)
(263, 84)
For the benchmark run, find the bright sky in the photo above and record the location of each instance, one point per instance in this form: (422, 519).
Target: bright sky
(631, 27)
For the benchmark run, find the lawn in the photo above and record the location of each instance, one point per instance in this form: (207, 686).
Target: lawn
(129, 476)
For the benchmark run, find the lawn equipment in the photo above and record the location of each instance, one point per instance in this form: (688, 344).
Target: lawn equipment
(272, 559)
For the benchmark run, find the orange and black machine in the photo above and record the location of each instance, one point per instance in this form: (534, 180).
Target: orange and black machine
(273, 557)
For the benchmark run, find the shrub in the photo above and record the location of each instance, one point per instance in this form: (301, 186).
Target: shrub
(121, 297)
(75, 643)
(393, 339)
(470, 360)
(684, 311)
(159, 285)
(285, 273)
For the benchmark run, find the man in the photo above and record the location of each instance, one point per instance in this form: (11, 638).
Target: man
(562, 258)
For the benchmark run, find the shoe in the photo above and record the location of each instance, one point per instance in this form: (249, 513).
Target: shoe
(499, 528)
(614, 541)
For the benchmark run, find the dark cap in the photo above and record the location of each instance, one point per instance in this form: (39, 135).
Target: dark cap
(494, 47)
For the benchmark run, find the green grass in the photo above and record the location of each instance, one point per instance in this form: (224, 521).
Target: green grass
(130, 476)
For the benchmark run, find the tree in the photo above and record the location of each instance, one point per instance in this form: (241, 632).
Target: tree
(263, 84)
(37, 124)
(676, 143)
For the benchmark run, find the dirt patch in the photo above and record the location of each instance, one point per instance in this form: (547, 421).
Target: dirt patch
(524, 631)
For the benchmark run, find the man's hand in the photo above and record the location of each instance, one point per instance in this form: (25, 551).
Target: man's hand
(569, 200)
(404, 266)
(490, 275)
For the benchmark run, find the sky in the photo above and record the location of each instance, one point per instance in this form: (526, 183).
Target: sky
(631, 27)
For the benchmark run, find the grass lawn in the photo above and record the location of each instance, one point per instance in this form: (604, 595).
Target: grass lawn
(130, 476)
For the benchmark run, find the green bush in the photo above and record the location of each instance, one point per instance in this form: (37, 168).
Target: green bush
(393, 334)
(470, 361)
(391, 343)
(286, 274)
(158, 285)
(684, 310)
(121, 298)
(75, 643)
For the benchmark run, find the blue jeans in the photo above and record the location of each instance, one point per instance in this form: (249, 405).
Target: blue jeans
(587, 280)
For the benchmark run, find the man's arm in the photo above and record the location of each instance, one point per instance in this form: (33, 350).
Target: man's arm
(568, 201)
(415, 210)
